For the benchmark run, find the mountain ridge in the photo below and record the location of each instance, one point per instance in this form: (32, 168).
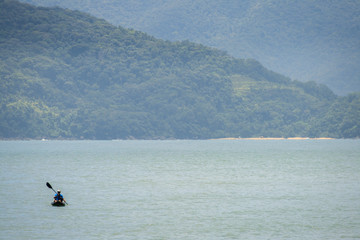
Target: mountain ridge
(66, 74)
(305, 40)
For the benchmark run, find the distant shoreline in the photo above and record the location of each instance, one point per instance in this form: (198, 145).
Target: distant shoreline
(157, 139)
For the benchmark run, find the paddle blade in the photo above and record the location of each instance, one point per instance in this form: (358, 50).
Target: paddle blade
(48, 185)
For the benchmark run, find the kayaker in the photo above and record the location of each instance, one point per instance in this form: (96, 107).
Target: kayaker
(59, 197)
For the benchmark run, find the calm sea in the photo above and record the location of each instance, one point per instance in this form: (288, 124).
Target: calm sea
(215, 189)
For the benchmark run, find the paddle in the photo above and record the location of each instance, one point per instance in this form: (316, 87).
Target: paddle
(49, 186)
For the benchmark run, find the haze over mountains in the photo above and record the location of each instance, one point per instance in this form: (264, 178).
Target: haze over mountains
(305, 40)
(66, 74)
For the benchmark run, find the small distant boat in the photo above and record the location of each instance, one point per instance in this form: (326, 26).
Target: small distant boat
(58, 204)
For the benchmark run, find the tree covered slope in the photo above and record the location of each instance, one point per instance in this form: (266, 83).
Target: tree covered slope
(305, 40)
(66, 74)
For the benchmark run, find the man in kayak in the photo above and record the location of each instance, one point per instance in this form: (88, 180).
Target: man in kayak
(58, 197)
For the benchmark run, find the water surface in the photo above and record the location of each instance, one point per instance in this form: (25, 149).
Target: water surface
(218, 189)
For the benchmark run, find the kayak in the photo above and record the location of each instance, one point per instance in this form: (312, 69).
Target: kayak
(58, 204)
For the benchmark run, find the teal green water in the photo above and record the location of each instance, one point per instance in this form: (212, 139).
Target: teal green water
(215, 189)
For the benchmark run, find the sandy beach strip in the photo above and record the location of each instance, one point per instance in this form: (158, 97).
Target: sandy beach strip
(275, 138)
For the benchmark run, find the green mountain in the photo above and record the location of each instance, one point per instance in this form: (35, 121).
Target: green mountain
(305, 40)
(66, 74)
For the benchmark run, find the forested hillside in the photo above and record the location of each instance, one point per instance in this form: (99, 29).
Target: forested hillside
(305, 40)
(66, 74)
